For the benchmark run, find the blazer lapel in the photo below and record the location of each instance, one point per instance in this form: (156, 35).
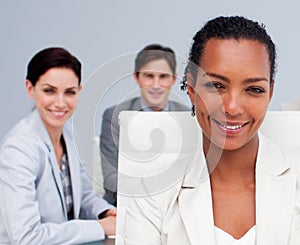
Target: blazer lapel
(74, 174)
(195, 204)
(35, 121)
(275, 194)
(57, 178)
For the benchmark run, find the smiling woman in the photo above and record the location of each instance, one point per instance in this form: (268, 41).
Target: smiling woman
(231, 96)
(55, 96)
(243, 200)
(44, 180)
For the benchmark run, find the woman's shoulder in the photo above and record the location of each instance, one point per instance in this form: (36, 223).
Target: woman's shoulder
(277, 150)
(18, 133)
(24, 147)
(23, 136)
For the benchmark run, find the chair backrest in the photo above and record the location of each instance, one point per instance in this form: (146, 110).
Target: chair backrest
(283, 128)
(291, 105)
(149, 145)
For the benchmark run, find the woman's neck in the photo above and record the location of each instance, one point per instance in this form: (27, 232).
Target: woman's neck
(232, 165)
(55, 136)
(56, 140)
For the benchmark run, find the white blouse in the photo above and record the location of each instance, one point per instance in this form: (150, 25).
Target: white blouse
(223, 238)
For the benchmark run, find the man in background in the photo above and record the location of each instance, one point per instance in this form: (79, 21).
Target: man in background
(155, 73)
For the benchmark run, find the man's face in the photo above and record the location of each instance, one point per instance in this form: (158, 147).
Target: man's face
(155, 80)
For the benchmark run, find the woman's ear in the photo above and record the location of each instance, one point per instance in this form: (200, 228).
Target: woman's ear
(191, 84)
(79, 88)
(271, 89)
(29, 89)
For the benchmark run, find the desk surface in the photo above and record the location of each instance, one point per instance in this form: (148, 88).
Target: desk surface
(107, 241)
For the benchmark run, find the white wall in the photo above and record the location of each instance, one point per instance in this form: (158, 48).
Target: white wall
(98, 32)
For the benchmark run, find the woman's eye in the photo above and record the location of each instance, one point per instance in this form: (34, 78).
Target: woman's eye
(214, 85)
(48, 90)
(256, 90)
(71, 92)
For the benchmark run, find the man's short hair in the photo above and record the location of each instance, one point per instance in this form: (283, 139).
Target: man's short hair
(155, 52)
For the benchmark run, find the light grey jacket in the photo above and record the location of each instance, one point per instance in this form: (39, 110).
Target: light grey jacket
(32, 205)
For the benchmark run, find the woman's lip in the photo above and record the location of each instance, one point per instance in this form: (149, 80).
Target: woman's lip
(58, 114)
(231, 127)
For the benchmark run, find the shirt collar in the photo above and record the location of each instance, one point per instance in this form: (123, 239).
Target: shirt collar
(145, 107)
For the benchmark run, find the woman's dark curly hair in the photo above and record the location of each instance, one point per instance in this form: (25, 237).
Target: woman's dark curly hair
(233, 27)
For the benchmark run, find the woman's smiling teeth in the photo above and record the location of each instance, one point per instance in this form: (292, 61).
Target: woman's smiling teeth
(58, 113)
(231, 126)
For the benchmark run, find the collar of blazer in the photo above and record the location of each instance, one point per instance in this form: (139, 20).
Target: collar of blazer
(35, 121)
(275, 197)
(270, 161)
(276, 185)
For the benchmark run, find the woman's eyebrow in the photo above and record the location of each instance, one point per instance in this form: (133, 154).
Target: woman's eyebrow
(215, 75)
(255, 79)
(248, 80)
(48, 85)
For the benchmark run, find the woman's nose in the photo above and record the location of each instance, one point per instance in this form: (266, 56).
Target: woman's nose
(232, 104)
(60, 100)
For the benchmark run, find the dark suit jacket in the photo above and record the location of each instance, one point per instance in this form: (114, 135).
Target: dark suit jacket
(109, 141)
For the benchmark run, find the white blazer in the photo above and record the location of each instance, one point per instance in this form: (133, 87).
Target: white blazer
(183, 214)
(32, 205)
